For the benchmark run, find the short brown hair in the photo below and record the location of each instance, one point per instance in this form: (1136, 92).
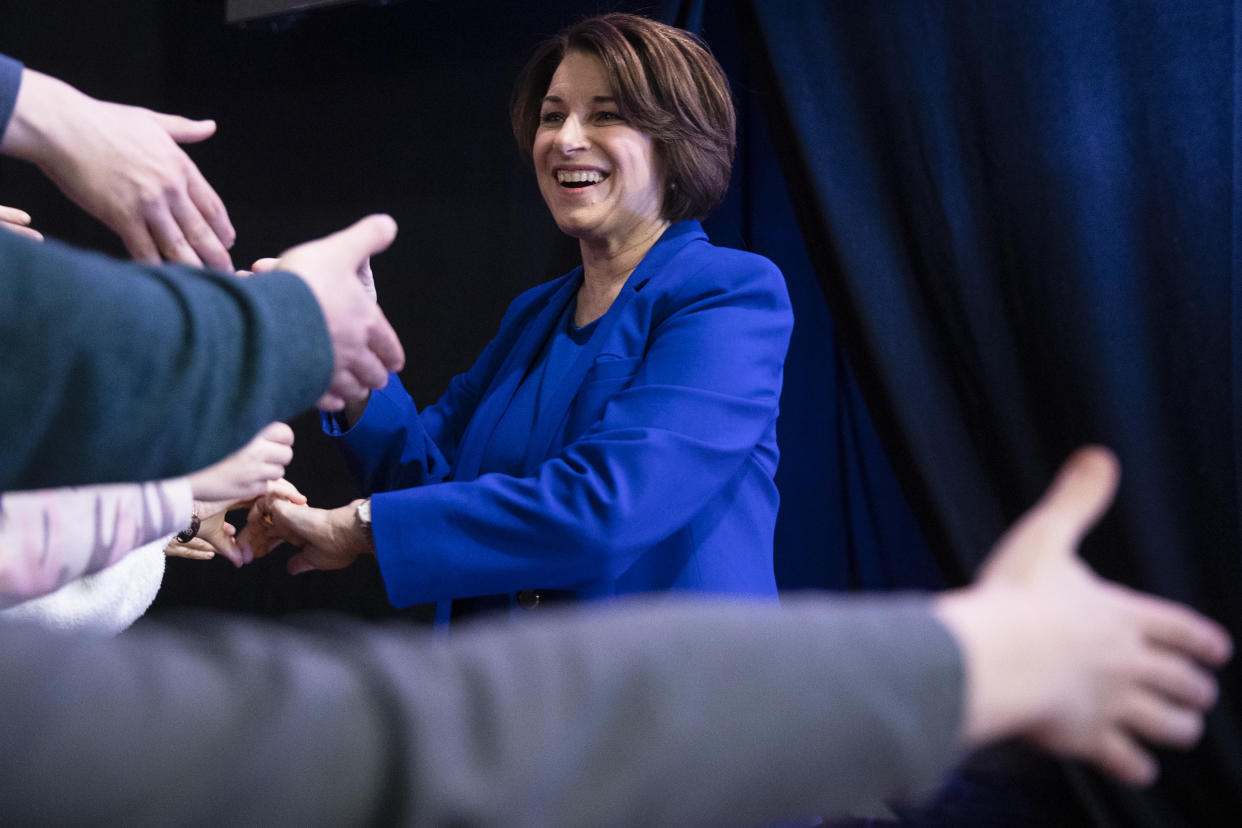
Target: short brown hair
(667, 84)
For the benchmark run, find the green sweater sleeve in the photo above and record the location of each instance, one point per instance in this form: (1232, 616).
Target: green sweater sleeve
(119, 371)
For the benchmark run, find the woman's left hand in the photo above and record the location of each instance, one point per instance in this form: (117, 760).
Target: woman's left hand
(329, 538)
(217, 536)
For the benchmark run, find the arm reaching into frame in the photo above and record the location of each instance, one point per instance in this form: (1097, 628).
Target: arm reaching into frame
(1075, 664)
(156, 344)
(739, 714)
(122, 164)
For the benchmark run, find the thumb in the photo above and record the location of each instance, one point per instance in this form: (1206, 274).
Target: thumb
(185, 130)
(1078, 497)
(364, 238)
(264, 265)
(299, 563)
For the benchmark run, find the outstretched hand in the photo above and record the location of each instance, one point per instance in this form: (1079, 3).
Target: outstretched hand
(122, 164)
(245, 473)
(365, 347)
(255, 469)
(1075, 664)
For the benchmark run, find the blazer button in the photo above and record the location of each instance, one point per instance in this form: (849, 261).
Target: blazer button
(528, 599)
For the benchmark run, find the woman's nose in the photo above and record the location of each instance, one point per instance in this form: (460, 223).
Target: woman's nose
(571, 136)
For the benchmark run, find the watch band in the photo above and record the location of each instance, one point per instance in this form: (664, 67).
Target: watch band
(362, 512)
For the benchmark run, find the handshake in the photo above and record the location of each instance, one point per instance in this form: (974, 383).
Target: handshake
(253, 479)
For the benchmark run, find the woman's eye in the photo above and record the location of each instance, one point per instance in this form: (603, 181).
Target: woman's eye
(609, 116)
(551, 118)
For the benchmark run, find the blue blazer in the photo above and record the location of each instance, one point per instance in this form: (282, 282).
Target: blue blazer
(650, 468)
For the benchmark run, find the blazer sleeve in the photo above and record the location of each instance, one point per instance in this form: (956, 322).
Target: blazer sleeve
(395, 446)
(120, 371)
(703, 396)
(743, 715)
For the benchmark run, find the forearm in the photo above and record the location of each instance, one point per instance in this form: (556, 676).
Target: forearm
(153, 372)
(743, 714)
(40, 124)
(51, 537)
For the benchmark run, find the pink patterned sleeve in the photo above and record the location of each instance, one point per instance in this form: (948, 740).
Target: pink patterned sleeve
(51, 536)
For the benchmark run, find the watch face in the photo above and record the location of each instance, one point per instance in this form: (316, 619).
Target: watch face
(364, 512)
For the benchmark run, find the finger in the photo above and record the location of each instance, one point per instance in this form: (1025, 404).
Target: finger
(168, 237)
(283, 488)
(366, 237)
(1079, 495)
(137, 238)
(1178, 679)
(211, 207)
(21, 230)
(298, 564)
(275, 455)
(347, 386)
(369, 372)
(268, 472)
(1120, 755)
(199, 235)
(195, 549)
(330, 402)
(277, 432)
(264, 265)
(12, 215)
(184, 130)
(1178, 628)
(1159, 721)
(384, 343)
(233, 552)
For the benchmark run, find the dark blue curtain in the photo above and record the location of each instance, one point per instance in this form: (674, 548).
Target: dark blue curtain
(844, 521)
(1025, 219)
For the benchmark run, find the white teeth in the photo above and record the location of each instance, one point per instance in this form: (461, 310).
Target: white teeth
(579, 176)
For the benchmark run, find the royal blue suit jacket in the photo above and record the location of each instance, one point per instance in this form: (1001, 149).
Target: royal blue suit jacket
(650, 468)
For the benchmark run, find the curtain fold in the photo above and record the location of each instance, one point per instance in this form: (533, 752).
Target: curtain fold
(1024, 218)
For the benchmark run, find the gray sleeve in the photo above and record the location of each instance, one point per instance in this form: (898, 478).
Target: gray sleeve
(671, 714)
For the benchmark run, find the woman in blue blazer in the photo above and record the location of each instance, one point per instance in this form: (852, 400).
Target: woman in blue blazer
(619, 433)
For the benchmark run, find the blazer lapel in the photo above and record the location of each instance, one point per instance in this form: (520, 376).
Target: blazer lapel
(500, 391)
(552, 415)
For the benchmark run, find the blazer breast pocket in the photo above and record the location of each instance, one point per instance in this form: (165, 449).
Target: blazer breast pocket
(605, 378)
(608, 367)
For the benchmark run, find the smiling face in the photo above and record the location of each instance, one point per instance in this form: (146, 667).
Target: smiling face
(598, 175)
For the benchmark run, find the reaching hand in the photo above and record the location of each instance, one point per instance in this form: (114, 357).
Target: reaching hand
(364, 345)
(245, 473)
(1075, 664)
(18, 221)
(217, 536)
(365, 277)
(122, 164)
(328, 538)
